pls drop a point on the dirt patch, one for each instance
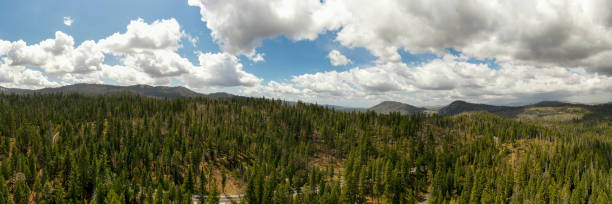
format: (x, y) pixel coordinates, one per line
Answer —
(325, 159)
(233, 186)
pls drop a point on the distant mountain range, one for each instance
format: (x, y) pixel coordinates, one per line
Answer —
(101, 89)
(545, 109)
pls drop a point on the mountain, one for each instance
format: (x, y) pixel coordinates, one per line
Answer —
(345, 108)
(457, 107)
(545, 110)
(556, 104)
(393, 106)
(101, 89)
(14, 91)
(542, 111)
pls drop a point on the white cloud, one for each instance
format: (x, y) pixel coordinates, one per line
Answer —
(20, 77)
(286, 91)
(123, 75)
(150, 48)
(336, 58)
(159, 64)
(259, 57)
(147, 54)
(219, 70)
(141, 36)
(34, 79)
(539, 33)
(87, 57)
(4, 47)
(56, 56)
(192, 39)
(240, 26)
(19, 54)
(68, 21)
(442, 81)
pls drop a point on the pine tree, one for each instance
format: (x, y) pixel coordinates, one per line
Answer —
(189, 183)
(350, 190)
(48, 194)
(166, 198)
(364, 187)
(602, 197)
(203, 184)
(223, 180)
(89, 145)
(101, 192)
(159, 194)
(476, 190)
(112, 198)
(213, 196)
(4, 193)
(21, 191)
(578, 194)
(282, 194)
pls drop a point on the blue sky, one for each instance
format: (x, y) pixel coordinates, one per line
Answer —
(404, 52)
(39, 19)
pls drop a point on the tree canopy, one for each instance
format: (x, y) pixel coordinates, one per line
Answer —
(133, 149)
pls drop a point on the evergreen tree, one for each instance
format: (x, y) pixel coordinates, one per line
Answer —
(223, 180)
(189, 183)
(21, 191)
(88, 145)
(4, 193)
(213, 196)
(112, 198)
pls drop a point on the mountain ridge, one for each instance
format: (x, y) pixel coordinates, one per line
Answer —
(385, 107)
(394, 106)
(460, 106)
(543, 110)
(104, 89)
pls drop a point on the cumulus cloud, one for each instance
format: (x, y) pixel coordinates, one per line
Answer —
(539, 33)
(442, 81)
(279, 90)
(125, 75)
(141, 36)
(55, 56)
(240, 26)
(219, 70)
(4, 47)
(159, 63)
(336, 58)
(68, 21)
(20, 77)
(147, 54)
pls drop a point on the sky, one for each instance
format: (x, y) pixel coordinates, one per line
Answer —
(353, 53)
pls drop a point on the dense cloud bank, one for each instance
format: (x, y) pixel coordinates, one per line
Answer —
(544, 50)
(539, 33)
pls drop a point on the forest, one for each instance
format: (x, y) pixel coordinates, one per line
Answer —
(70, 148)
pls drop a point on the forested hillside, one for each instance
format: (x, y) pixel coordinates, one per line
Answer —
(133, 149)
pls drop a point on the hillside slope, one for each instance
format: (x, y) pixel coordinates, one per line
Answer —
(72, 148)
(102, 89)
(393, 106)
(457, 107)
